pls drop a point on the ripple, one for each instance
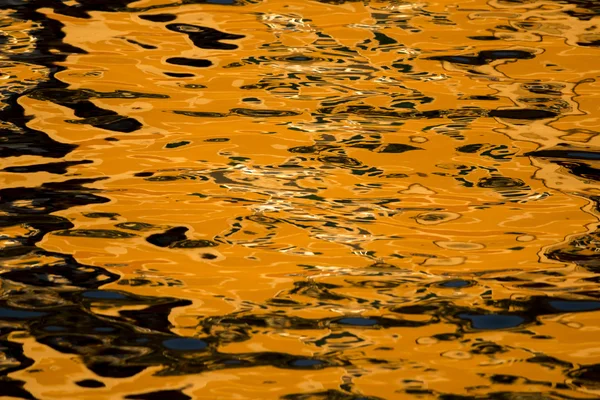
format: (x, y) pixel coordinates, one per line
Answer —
(328, 199)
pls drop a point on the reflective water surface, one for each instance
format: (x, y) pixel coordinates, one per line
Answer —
(303, 199)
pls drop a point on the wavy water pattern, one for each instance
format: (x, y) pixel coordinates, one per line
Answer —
(316, 199)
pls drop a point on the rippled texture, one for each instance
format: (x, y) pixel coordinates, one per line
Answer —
(261, 199)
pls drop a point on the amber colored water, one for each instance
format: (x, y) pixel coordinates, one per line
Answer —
(300, 199)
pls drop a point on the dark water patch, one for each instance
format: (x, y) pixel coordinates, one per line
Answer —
(493, 151)
(513, 314)
(593, 43)
(110, 122)
(18, 142)
(83, 7)
(103, 295)
(116, 338)
(17, 138)
(96, 233)
(550, 362)
(357, 321)
(447, 337)
(38, 224)
(90, 383)
(189, 62)
(455, 284)
(156, 315)
(288, 361)
(14, 388)
(16, 251)
(160, 395)
(493, 321)
(91, 114)
(295, 323)
(206, 38)
(480, 97)
(14, 352)
(107, 369)
(49, 198)
(536, 285)
(383, 39)
(11, 313)
(581, 170)
(536, 306)
(104, 329)
(306, 363)
(299, 58)
(587, 376)
(455, 114)
(174, 145)
(584, 10)
(375, 322)
(484, 38)
(278, 302)
(185, 344)
(508, 279)
(503, 379)
(218, 361)
(158, 17)
(418, 309)
(567, 153)
(500, 182)
(143, 174)
(524, 114)
(179, 74)
(398, 148)
(486, 57)
(53, 328)
(581, 250)
(470, 148)
(574, 306)
(340, 161)
(169, 237)
(292, 59)
(66, 272)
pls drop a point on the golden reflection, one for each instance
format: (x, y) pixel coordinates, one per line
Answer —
(299, 200)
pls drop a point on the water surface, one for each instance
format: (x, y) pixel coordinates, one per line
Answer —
(304, 199)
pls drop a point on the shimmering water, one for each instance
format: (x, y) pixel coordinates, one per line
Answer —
(267, 199)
